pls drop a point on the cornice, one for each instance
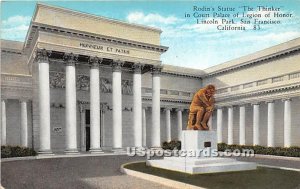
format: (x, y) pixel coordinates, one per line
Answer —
(11, 51)
(264, 59)
(163, 72)
(269, 94)
(95, 37)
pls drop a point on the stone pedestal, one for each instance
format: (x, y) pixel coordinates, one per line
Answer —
(199, 141)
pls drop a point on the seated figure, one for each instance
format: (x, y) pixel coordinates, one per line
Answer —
(201, 108)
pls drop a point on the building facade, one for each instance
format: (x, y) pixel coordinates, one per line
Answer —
(81, 82)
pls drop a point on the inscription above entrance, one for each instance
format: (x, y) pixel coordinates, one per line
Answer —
(104, 48)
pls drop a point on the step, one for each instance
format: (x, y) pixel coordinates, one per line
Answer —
(199, 161)
(202, 168)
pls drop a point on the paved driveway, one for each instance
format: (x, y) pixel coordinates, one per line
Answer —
(91, 172)
(77, 172)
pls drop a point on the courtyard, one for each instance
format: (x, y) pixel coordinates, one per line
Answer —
(102, 171)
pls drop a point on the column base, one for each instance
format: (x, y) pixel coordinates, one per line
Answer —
(45, 153)
(71, 151)
(119, 151)
(155, 148)
(96, 151)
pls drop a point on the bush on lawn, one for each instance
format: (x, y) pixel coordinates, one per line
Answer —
(172, 145)
(16, 151)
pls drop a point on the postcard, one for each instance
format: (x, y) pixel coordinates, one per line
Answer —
(150, 94)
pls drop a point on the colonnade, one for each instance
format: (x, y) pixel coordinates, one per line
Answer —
(256, 123)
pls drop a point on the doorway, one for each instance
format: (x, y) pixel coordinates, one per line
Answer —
(87, 130)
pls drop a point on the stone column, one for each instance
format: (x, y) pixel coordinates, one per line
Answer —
(168, 124)
(210, 122)
(3, 122)
(44, 102)
(287, 123)
(230, 125)
(219, 124)
(179, 123)
(256, 124)
(24, 123)
(117, 105)
(242, 125)
(102, 123)
(155, 130)
(271, 124)
(144, 127)
(137, 105)
(71, 134)
(95, 105)
(82, 126)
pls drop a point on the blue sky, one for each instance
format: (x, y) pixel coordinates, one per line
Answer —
(190, 44)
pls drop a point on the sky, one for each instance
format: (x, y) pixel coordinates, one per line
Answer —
(190, 44)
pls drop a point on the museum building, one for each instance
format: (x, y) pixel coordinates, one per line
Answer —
(81, 82)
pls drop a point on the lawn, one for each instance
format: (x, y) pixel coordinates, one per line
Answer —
(262, 178)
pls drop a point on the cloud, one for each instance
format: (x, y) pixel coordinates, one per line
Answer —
(151, 19)
(15, 27)
(202, 45)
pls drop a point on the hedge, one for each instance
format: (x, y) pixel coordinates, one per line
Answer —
(276, 151)
(16, 151)
(174, 144)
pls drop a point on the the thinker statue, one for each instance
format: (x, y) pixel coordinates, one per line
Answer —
(201, 108)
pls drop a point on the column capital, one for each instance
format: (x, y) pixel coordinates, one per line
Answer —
(219, 107)
(156, 70)
(242, 105)
(255, 103)
(167, 108)
(117, 65)
(42, 55)
(70, 59)
(145, 107)
(269, 101)
(4, 100)
(286, 99)
(23, 100)
(95, 61)
(104, 107)
(137, 68)
(179, 109)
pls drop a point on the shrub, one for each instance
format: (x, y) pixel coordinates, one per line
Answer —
(277, 151)
(173, 144)
(16, 151)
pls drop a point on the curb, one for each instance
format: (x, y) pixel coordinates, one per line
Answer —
(157, 179)
(278, 167)
(277, 157)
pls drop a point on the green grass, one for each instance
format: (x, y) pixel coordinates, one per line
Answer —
(262, 178)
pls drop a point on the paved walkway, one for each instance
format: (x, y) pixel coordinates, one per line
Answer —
(92, 172)
(75, 173)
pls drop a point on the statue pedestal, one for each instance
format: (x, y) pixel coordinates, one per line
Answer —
(199, 140)
(200, 148)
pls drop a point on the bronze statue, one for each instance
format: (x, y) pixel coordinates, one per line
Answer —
(201, 108)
